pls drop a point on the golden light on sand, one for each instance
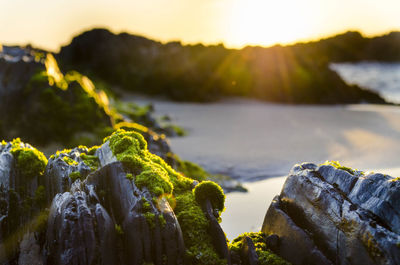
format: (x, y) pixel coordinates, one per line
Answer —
(265, 22)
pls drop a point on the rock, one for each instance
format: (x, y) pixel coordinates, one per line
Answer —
(61, 107)
(252, 248)
(80, 231)
(219, 238)
(125, 201)
(30, 252)
(328, 215)
(88, 207)
(249, 255)
(21, 200)
(188, 72)
(272, 242)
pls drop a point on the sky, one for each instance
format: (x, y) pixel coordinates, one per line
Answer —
(49, 24)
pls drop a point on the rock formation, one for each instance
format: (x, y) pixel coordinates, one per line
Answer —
(42, 105)
(298, 73)
(330, 214)
(104, 205)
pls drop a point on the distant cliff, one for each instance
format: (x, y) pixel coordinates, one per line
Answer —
(292, 74)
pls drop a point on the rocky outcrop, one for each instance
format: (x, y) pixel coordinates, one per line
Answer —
(62, 108)
(291, 74)
(104, 205)
(330, 214)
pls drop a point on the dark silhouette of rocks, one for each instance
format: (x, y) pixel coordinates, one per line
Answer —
(292, 74)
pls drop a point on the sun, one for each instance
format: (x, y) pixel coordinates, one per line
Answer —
(266, 22)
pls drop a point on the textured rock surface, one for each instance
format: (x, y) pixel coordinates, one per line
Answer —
(100, 218)
(327, 215)
(85, 208)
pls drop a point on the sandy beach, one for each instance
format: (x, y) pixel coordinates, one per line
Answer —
(254, 140)
(259, 142)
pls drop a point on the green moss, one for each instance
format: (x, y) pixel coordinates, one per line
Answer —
(118, 230)
(66, 108)
(145, 205)
(160, 179)
(75, 175)
(69, 161)
(130, 176)
(265, 256)
(162, 220)
(150, 219)
(179, 131)
(29, 160)
(92, 150)
(40, 222)
(40, 196)
(212, 191)
(191, 170)
(194, 226)
(337, 165)
(131, 149)
(91, 161)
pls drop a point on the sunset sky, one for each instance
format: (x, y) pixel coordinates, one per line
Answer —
(51, 23)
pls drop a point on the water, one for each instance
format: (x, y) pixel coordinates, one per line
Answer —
(245, 211)
(253, 140)
(383, 78)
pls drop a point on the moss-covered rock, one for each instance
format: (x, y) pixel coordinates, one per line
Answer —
(152, 173)
(211, 191)
(30, 161)
(265, 255)
(336, 164)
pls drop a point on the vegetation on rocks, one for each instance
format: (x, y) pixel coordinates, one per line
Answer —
(29, 160)
(265, 255)
(298, 73)
(160, 179)
(337, 165)
(64, 108)
(210, 190)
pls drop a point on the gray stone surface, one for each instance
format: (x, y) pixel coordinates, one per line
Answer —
(328, 215)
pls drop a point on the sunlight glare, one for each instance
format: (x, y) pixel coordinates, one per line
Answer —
(266, 22)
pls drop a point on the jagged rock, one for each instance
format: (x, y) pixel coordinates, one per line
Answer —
(219, 238)
(335, 215)
(146, 239)
(248, 253)
(89, 206)
(63, 107)
(21, 199)
(80, 231)
(59, 168)
(272, 242)
(252, 248)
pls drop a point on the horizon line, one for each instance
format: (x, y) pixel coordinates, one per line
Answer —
(207, 44)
